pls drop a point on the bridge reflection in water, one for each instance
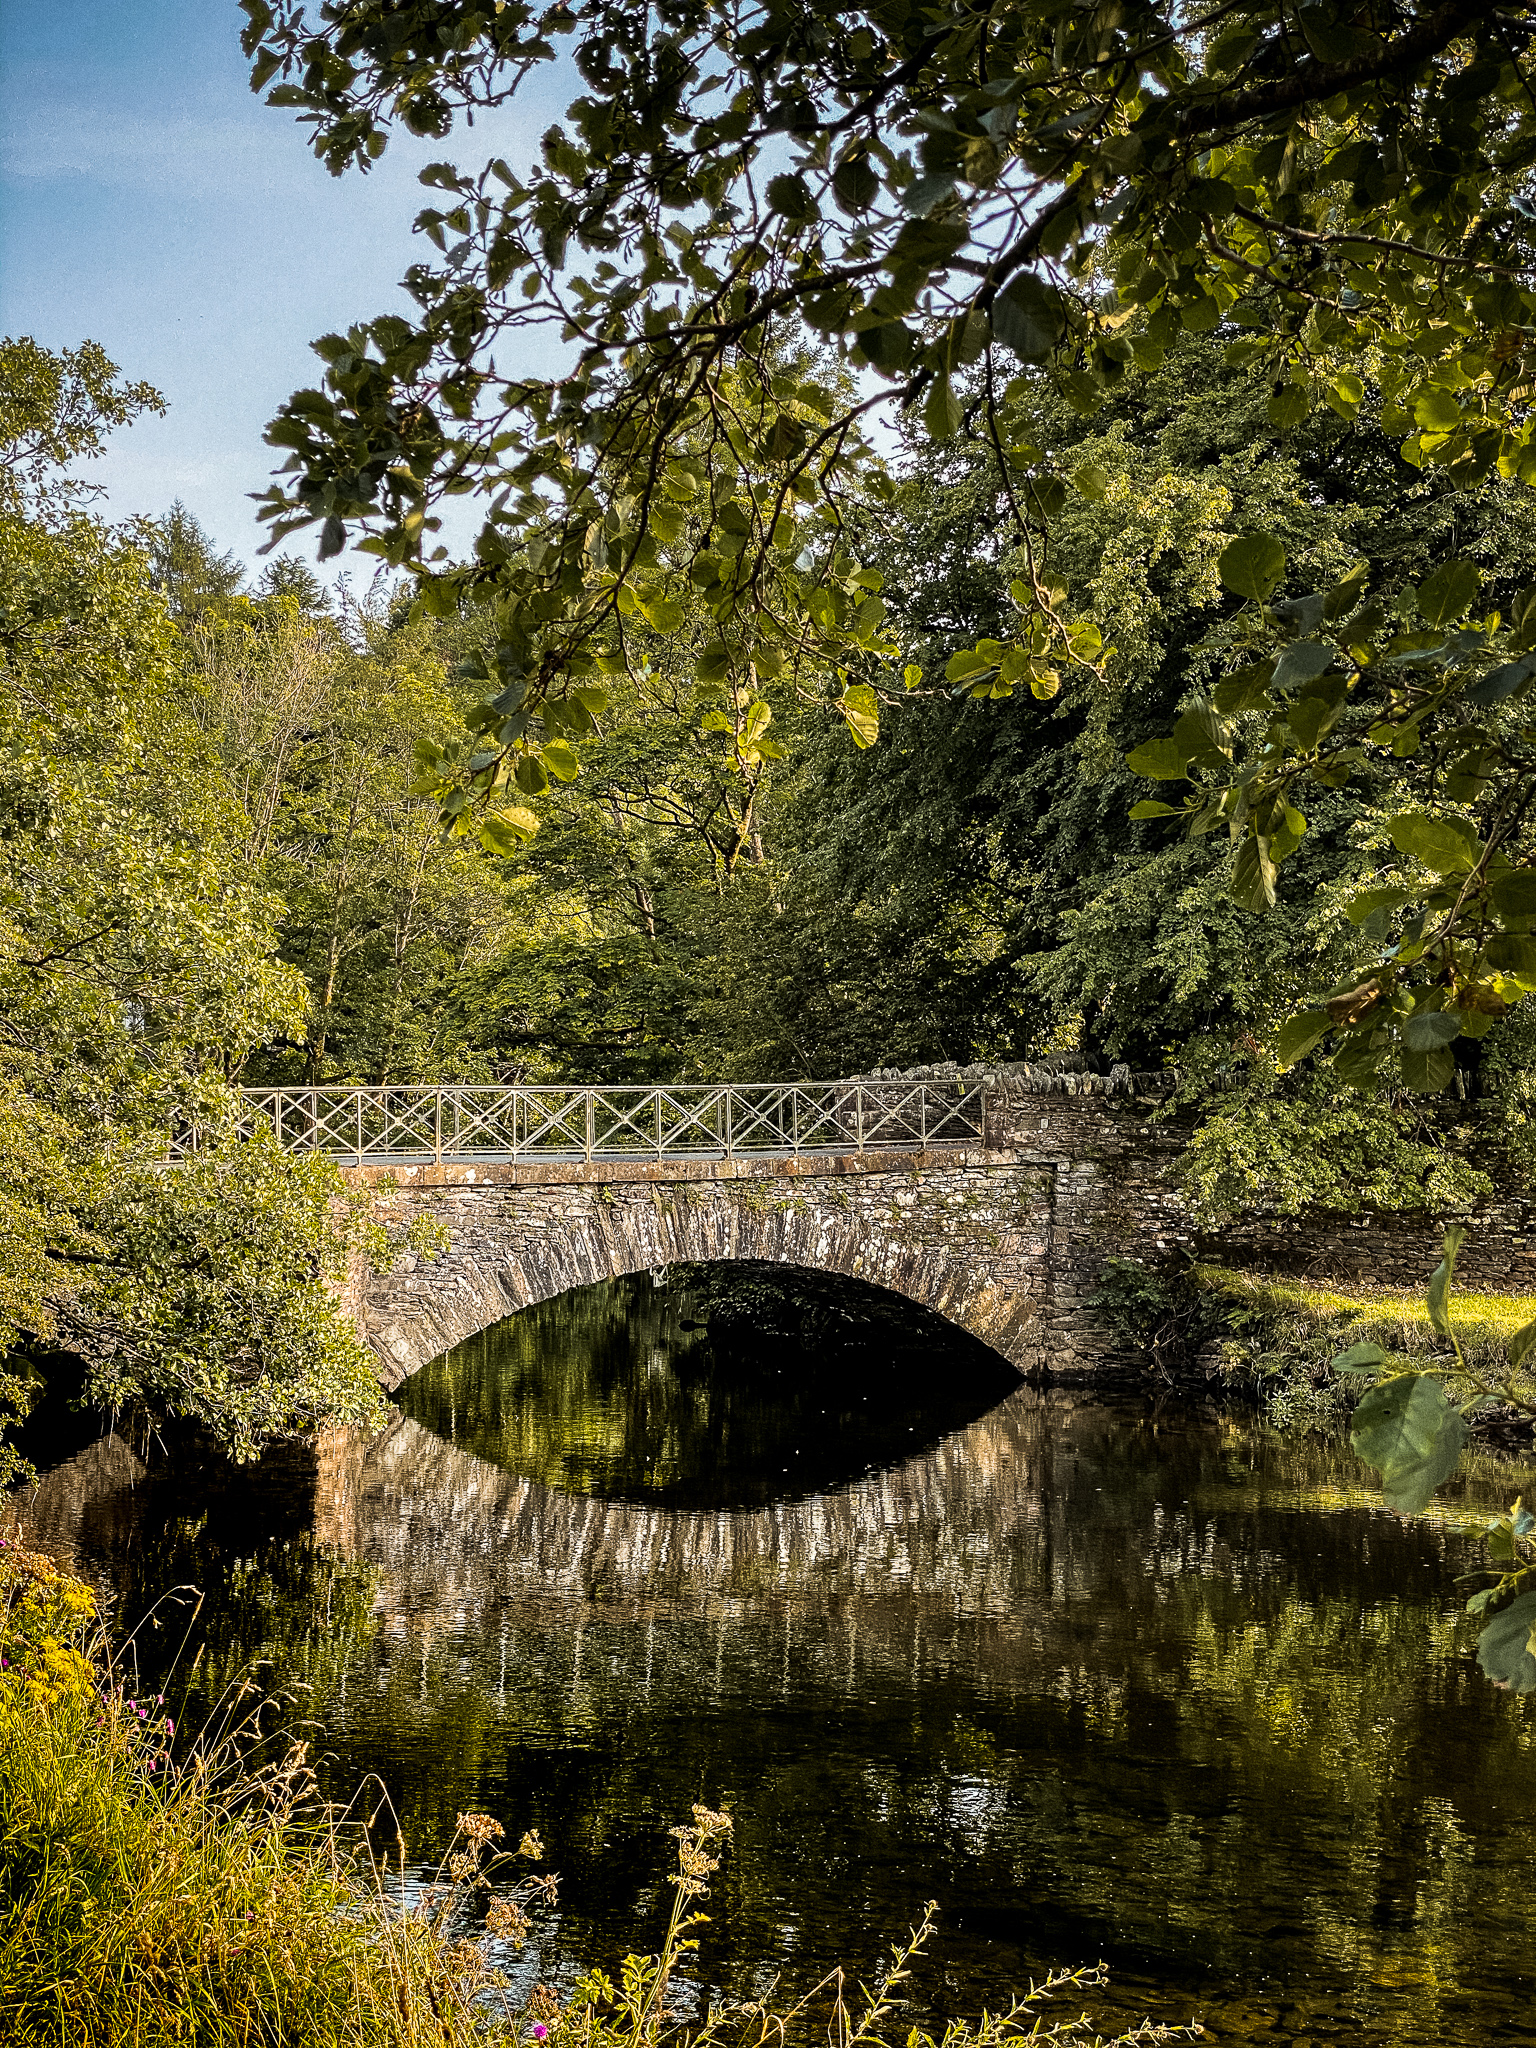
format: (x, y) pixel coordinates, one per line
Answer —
(1167, 1689)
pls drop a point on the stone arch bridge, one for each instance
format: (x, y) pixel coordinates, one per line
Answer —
(992, 1195)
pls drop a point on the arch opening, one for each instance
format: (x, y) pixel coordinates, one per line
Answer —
(709, 1386)
(974, 1245)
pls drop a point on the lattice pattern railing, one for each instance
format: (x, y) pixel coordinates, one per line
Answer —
(698, 1121)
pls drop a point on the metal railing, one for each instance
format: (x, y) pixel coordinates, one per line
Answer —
(463, 1124)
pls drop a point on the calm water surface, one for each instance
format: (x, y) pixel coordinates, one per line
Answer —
(1158, 1687)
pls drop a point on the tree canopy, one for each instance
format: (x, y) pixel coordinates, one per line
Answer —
(138, 966)
(756, 229)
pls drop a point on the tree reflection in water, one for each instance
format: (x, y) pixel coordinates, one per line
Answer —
(1166, 1688)
(723, 1387)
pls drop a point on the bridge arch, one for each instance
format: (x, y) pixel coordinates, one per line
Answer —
(968, 1241)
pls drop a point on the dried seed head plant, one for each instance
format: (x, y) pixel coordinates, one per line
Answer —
(635, 2013)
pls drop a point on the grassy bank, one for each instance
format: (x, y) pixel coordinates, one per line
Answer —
(1282, 1333)
(156, 1892)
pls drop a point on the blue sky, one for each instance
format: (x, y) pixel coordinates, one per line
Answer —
(150, 202)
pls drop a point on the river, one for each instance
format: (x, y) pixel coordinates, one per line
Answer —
(1106, 1678)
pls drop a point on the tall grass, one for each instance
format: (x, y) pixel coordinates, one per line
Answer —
(155, 1891)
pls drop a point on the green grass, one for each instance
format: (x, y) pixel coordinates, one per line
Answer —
(1284, 1332)
(1393, 1317)
(152, 1897)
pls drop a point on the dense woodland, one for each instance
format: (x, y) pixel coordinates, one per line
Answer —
(218, 867)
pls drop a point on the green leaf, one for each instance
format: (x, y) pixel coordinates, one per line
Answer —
(1499, 683)
(1447, 594)
(1246, 689)
(559, 759)
(1198, 734)
(1369, 901)
(663, 614)
(1358, 1358)
(1159, 760)
(1299, 1035)
(1357, 1063)
(1407, 1429)
(1436, 409)
(942, 411)
(856, 183)
(531, 776)
(1427, 1029)
(1289, 406)
(1028, 317)
(1504, 1647)
(1509, 953)
(1091, 480)
(1300, 662)
(508, 830)
(1499, 1540)
(788, 194)
(1428, 1073)
(1253, 876)
(1148, 808)
(1448, 845)
(1306, 717)
(1514, 896)
(861, 708)
(1345, 395)
(888, 347)
(1437, 1293)
(1345, 595)
(967, 661)
(1252, 566)
(714, 663)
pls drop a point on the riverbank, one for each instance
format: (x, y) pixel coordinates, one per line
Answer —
(1278, 1337)
(157, 1891)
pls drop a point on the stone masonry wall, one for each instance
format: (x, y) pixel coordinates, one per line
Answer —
(969, 1239)
(1009, 1240)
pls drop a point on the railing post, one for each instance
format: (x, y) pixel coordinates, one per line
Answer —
(360, 1126)
(922, 1118)
(591, 1123)
(725, 1120)
(858, 1115)
(437, 1127)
